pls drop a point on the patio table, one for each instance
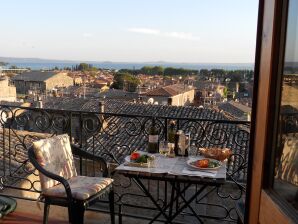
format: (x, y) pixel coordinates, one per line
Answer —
(174, 171)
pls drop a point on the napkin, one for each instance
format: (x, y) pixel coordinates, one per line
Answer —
(193, 172)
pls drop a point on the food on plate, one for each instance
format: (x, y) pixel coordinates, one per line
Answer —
(203, 163)
(137, 157)
(216, 153)
(206, 163)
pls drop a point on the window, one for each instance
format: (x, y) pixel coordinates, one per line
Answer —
(284, 181)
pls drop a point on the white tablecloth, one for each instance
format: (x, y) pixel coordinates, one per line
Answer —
(176, 166)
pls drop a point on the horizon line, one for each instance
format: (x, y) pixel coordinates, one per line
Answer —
(111, 61)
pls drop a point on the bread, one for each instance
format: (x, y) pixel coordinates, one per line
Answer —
(216, 153)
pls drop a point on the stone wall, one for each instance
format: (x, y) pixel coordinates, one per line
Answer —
(59, 80)
(23, 87)
(183, 99)
(7, 92)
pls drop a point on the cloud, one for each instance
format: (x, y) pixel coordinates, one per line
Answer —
(144, 31)
(177, 35)
(87, 35)
(182, 35)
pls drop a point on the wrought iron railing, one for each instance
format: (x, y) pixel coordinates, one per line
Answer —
(114, 136)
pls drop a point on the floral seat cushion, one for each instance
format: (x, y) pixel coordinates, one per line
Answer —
(54, 155)
(82, 187)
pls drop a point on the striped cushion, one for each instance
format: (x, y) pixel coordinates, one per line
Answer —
(82, 187)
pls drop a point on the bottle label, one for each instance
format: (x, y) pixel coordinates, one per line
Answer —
(153, 138)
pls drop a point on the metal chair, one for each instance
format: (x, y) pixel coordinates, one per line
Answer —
(67, 192)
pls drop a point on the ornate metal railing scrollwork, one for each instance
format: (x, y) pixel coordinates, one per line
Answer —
(114, 136)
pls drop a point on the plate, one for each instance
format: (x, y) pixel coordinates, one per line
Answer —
(191, 163)
(128, 162)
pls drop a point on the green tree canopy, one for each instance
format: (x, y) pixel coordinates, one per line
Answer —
(85, 67)
(204, 72)
(152, 70)
(3, 63)
(169, 71)
(125, 81)
(13, 67)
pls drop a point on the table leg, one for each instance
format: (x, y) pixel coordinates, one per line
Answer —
(188, 202)
(172, 201)
(144, 189)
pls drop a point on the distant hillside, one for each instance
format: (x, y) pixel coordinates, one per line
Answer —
(12, 60)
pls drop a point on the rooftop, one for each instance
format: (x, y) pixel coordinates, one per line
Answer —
(168, 91)
(118, 94)
(125, 107)
(36, 76)
(235, 110)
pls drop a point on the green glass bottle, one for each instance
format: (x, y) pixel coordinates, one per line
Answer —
(153, 138)
(171, 132)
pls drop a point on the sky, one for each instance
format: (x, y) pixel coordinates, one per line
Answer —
(193, 31)
(291, 54)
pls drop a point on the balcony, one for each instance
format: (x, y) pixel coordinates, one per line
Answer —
(114, 132)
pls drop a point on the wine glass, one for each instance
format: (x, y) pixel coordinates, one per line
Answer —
(163, 148)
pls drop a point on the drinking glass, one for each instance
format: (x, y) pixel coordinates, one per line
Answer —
(163, 148)
(193, 151)
(171, 152)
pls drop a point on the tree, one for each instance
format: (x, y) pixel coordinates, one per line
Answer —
(225, 92)
(159, 70)
(83, 67)
(3, 63)
(204, 72)
(218, 72)
(13, 67)
(125, 81)
(150, 70)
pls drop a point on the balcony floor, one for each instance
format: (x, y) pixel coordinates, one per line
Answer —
(27, 212)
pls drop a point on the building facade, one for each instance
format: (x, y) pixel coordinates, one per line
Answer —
(8, 91)
(40, 81)
(174, 95)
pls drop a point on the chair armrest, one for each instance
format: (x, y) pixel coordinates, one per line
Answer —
(76, 150)
(63, 181)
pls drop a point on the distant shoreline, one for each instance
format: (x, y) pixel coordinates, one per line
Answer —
(117, 66)
(40, 63)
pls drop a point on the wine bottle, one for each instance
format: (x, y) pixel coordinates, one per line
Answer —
(153, 138)
(171, 132)
(176, 147)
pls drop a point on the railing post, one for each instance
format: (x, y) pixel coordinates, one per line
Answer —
(101, 105)
(166, 129)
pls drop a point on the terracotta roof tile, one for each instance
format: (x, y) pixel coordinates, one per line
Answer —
(168, 91)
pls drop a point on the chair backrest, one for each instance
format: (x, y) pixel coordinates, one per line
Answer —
(54, 155)
(288, 168)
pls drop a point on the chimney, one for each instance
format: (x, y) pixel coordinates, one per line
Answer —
(101, 105)
(237, 87)
(170, 101)
(39, 102)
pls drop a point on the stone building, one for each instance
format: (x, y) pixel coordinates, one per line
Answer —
(7, 91)
(174, 95)
(41, 81)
